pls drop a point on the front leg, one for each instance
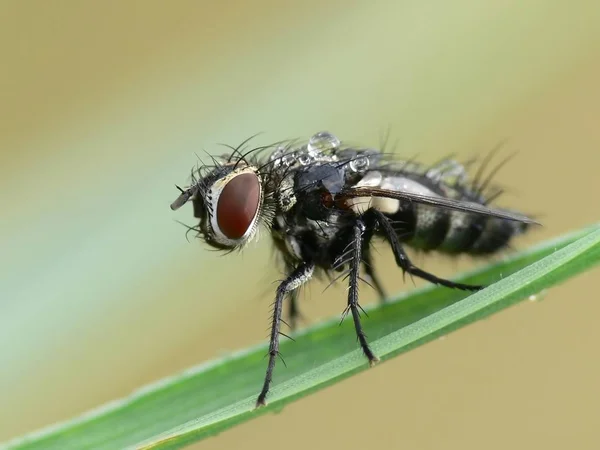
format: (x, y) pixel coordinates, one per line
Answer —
(293, 311)
(293, 314)
(295, 279)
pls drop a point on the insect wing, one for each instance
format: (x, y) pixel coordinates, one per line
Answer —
(439, 202)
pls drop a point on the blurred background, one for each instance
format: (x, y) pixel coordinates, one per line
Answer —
(103, 105)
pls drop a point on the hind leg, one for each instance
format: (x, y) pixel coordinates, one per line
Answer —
(405, 263)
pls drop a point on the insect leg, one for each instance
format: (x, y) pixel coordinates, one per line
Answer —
(370, 221)
(372, 274)
(406, 265)
(293, 311)
(295, 279)
(353, 306)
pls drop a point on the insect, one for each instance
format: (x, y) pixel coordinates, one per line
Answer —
(323, 203)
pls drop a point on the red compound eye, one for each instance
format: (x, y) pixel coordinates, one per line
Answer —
(238, 204)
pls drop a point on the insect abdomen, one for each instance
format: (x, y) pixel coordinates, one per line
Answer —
(496, 235)
(455, 232)
(465, 230)
(430, 228)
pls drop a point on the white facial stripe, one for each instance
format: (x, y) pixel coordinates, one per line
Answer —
(215, 192)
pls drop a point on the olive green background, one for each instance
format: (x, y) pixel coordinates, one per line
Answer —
(102, 106)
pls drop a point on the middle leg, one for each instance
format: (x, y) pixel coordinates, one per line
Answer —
(353, 275)
(370, 222)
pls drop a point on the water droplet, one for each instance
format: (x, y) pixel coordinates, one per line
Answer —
(321, 142)
(359, 164)
(288, 160)
(304, 159)
(282, 156)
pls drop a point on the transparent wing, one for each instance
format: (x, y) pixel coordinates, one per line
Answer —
(439, 202)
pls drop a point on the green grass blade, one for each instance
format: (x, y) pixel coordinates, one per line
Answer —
(213, 397)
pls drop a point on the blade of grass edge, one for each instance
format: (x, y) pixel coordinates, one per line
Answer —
(212, 423)
(544, 273)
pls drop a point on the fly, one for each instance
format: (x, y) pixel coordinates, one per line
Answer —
(324, 202)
